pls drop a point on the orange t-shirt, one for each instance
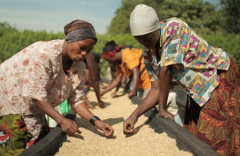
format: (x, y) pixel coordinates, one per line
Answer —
(131, 58)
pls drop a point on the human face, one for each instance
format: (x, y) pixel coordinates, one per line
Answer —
(78, 50)
(149, 40)
(112, 59)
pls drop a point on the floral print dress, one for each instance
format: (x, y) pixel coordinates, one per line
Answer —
(36, 73)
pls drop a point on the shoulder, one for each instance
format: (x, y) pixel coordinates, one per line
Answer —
(170, 21)
(131, 52)
(172, 24)
(51, 49)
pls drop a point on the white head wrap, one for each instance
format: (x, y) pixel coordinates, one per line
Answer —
(143, 20)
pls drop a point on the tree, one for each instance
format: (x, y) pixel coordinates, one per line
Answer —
(231, 16)
(201, 16)
(120, 23)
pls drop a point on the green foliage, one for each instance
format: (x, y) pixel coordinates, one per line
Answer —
(13, 40)
(229, 43)
(218, 28)
(231, 16)
(120, 23)
(198, 14)
(124, 40)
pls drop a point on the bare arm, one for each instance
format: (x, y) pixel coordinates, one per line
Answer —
(165, 79)
(118, 86)
(94, 81)
(135, 82)
(85, 113)
(127, 85)
(68, 126)
(150, 100)
(112, 85)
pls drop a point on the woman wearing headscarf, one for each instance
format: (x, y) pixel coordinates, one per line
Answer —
(39, 78)
(206, 73)
(128, 62)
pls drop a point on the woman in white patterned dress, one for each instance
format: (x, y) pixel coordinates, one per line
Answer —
(39, 78)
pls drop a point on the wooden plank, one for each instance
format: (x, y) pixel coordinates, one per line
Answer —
(185, 140)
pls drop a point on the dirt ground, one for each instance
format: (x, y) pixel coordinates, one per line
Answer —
(92, 142)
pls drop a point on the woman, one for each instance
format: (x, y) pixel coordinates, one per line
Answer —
(129, 62)
(208, 75)
(39, 78)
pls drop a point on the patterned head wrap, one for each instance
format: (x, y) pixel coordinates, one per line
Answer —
(110, 50)
(79, 30)
(143, 20)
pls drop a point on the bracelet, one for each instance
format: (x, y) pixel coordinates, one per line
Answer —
(93, 120)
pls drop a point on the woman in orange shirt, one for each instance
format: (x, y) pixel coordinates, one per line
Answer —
(129, 62)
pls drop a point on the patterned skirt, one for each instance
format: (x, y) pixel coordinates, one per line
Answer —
(218, 122)
(14, 136)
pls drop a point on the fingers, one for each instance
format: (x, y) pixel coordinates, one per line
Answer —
(130, 95)
(128, 127)
(78, 131)
(171, 117)
(108, 131)
(114, 94)
(166, 115)
(70, 132)
(71, 129)
(76, 128)
(101, 104)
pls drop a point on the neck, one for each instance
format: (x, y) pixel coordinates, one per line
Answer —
(65, 52)
(118, 56)
(66, 61)
(157, 46)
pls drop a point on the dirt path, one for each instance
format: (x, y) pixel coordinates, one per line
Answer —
(92, 142)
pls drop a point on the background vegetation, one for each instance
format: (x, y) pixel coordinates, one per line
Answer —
(218, 25)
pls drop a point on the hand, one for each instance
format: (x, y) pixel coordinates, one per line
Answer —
(105, 127)
(69, 127)
(131, 93)
(123, 85)
(128, 125)
(165, 114)
(103, 86)
(126, 88)
(114, 94)
(102, 93)
(101, 104)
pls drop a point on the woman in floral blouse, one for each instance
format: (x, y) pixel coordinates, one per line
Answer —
(207, 74)
(39, 78)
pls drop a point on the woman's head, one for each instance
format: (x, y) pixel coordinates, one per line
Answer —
(80, 38)
(109, 51)
(144, 24)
